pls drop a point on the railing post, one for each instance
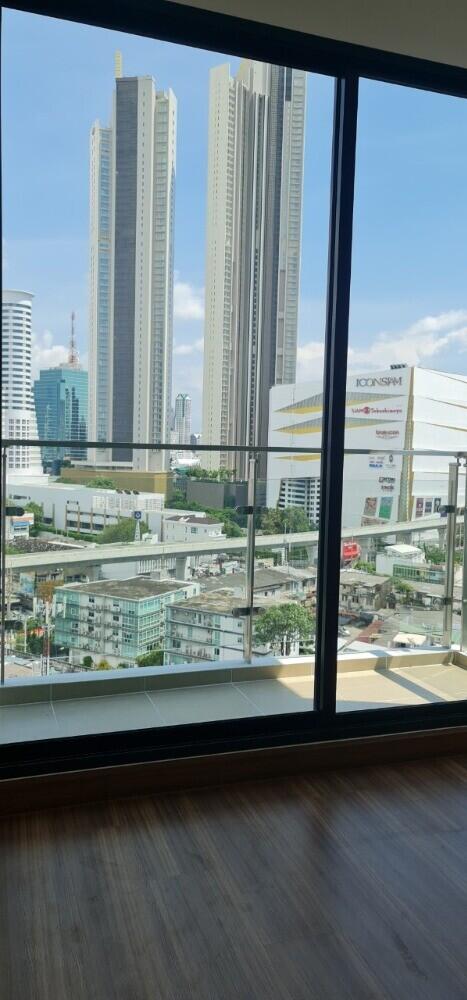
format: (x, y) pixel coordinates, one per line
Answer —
(450, 551)
(464, 573)
(250, 557)
(3, 565)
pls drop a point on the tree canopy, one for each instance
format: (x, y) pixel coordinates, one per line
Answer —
(155, 658)
(274, 521)
(123, 531)
(101, 483)
(219, 475)
(279, 627)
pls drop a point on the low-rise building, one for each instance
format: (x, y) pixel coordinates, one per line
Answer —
(214, 493)
(69, 507)
(363, 590)
(397, 559)
(116, 620)
(267, 582)
(196, 527)
(18, 526)
(211, 627)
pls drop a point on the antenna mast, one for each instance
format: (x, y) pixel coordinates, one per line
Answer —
(73, 356)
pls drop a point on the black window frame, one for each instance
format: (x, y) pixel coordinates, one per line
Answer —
(346, 63)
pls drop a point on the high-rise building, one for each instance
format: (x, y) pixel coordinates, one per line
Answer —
(182, 420)
(254, 209)
(132, 198)
(18, 410)
(61, 398)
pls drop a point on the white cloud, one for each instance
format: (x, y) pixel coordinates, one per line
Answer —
(46, 354)
(419, 343)
(183, 350)
(188, 301)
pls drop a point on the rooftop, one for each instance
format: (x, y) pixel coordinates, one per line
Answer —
(194, 519)
(401, 549)
(353, 577)
(225, 601)
(263, 578)
(133, 589)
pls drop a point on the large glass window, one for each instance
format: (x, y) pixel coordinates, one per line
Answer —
(173, 318)
(175, 242)
(400, 585)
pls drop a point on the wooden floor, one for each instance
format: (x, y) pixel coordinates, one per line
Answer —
(350, 884)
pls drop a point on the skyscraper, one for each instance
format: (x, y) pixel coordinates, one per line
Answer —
(182, 421)
(254, 208)
(18, 410)
(61, 398)
(132, 196)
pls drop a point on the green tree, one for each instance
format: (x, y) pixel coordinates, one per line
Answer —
(231, 529)
(366, 566)
(123, 531)
(275, 521)
(87, 662)
(220, 475)
(155, 658)
(434, 554)
(279, 627)
(101, 483)
(103, 665)
(403, 588)
(38, 511)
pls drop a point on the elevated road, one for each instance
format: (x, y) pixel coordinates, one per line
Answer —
(98, 555)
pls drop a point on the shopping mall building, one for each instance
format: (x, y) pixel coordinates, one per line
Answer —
(389, 412)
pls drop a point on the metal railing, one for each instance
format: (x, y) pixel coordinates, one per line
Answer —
(450, 520)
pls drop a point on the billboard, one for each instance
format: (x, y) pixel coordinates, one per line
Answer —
(376, 415)
(385, 508)
(370, 507)
(27, 582)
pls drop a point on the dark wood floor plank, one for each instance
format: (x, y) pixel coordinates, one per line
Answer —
(346, 885)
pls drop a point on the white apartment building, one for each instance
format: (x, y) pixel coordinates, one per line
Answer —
(402, 408)
(253, 240)
(18, 409)
(182, 419)
(132, 202)
(191, 528)
(208, 627)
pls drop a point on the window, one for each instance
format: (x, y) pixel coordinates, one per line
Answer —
(246, 280)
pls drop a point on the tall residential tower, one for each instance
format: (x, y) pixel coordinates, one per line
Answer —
(254, 209)
(18, 410)
(182, 419)
(132, 196)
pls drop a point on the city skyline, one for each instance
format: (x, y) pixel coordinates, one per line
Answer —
(408, 299)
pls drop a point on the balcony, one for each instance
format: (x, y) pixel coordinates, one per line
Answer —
(145, 698)
(267, 565)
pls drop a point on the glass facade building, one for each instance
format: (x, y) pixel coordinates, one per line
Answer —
(61, 398)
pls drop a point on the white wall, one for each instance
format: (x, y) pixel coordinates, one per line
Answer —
(426, 29)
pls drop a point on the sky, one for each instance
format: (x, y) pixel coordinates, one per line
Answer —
(409, 266)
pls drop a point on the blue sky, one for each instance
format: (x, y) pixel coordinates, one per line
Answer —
(409, 282)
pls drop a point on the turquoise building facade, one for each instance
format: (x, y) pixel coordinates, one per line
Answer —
(61, 399)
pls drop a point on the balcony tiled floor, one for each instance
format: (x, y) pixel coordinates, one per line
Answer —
(356, 690)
